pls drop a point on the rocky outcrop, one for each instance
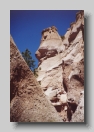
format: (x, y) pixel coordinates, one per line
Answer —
(61, 67)
(49, 35)
(28, 103)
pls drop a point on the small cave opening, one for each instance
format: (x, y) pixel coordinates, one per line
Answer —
(45, 37)
(73, 106)
(58, 108)
(71, 109)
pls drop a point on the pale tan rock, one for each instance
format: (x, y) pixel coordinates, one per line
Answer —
(62, 65)
(49, 35)
(63, 98)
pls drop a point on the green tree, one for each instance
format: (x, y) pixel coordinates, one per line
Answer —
(28, 58)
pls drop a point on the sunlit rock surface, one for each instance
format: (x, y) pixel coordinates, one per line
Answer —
(61, 67)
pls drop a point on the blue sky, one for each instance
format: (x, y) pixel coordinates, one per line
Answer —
(26, 26)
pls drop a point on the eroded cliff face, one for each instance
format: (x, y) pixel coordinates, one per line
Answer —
(61, 68)
(28, 103)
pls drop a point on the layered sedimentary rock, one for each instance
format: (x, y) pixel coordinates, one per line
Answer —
(28, 103)
(61, 67)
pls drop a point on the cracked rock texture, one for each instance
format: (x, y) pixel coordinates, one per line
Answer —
(61, 68)
(28, 103)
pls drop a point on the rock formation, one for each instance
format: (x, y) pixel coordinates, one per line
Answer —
(61, 68)
(79, 113)
(28, 103)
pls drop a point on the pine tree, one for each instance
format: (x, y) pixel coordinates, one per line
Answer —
(28, 58)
